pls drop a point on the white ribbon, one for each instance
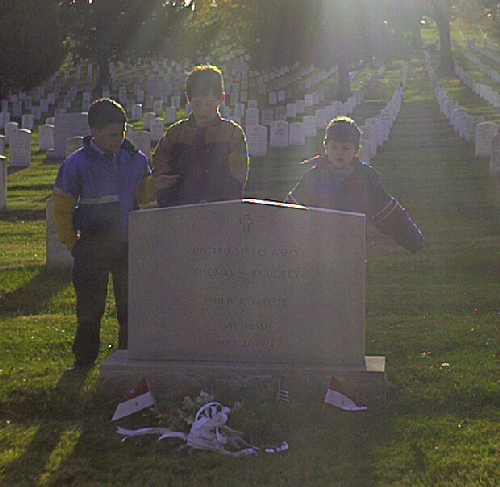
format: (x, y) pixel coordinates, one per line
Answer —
(208, 432)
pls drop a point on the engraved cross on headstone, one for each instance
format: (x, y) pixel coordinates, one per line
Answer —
(247, 222)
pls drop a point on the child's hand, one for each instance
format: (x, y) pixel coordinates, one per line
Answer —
(165, 181)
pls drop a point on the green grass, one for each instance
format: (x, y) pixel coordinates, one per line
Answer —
(434, 315)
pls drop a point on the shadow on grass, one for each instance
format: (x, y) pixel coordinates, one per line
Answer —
(30, 215)
(50, 414)
(327, 446)
(33, 298)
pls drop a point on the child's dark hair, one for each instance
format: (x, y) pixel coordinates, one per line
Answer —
(105, 111)
(343, 129)
(204, 80)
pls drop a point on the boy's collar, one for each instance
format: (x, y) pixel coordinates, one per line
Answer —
(96, 148)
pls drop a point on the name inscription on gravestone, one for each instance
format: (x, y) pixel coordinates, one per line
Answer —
(266, 305)
(234, 282)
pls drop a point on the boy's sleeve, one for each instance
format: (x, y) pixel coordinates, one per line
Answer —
(391, 218)
(145, 192)
(238, 159)
(394, 220)
(65, 199)
(64, 211)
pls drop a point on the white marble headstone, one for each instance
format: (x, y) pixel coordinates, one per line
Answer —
(297, 135)
(20, 148)
(46, 137)
(247, 283)
(257, 140)
(485, 132)
(3, 182)
(278, 137)
(68, 125)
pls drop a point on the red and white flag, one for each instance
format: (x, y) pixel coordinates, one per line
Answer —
(336, 397)
(139, 398)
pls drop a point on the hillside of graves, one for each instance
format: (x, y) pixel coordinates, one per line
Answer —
(434, 314)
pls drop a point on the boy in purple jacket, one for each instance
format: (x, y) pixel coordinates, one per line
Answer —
(95, 190)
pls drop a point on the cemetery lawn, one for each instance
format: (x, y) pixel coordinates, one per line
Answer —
(434, 315)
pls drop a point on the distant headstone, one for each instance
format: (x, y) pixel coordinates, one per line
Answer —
(68, 125)
(485, 132)
(27, 121)
(46, 137)
(3, 182)
(347, 107)
(297, 135)
(239, 110)
(256, 139)
(73, 144)
(158, 107)
(10, 128)
(471, 123)
(310, 126)
(291, 110)
(4, 119)
(495, 156)
(137, 111)
(157, 129)
(458, 120)
(278, 136)
(280, 113)
(300, 106)
(251, 117)
(171, 115)
(320, 119)
(141, 139)
(20, 148)
(148, 118)
(267, 116)
(176, 102)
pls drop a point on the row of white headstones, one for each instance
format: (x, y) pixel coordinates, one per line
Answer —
(471, 128)
(154, 125)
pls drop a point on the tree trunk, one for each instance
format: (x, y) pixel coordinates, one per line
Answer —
(442, 14)
(344, 90)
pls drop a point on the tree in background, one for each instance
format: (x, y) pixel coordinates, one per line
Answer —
(32, 43)
(106, 30)
(442, 16)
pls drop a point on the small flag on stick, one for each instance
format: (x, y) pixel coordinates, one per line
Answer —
(139, 398)
(336, 397)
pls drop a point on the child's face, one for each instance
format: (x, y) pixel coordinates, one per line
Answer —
(340, 154)
(205, 108)
(110, 137)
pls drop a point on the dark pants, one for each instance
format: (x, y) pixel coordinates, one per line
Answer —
(94, 260)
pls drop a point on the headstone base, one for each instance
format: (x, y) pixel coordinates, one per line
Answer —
(174, 378)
